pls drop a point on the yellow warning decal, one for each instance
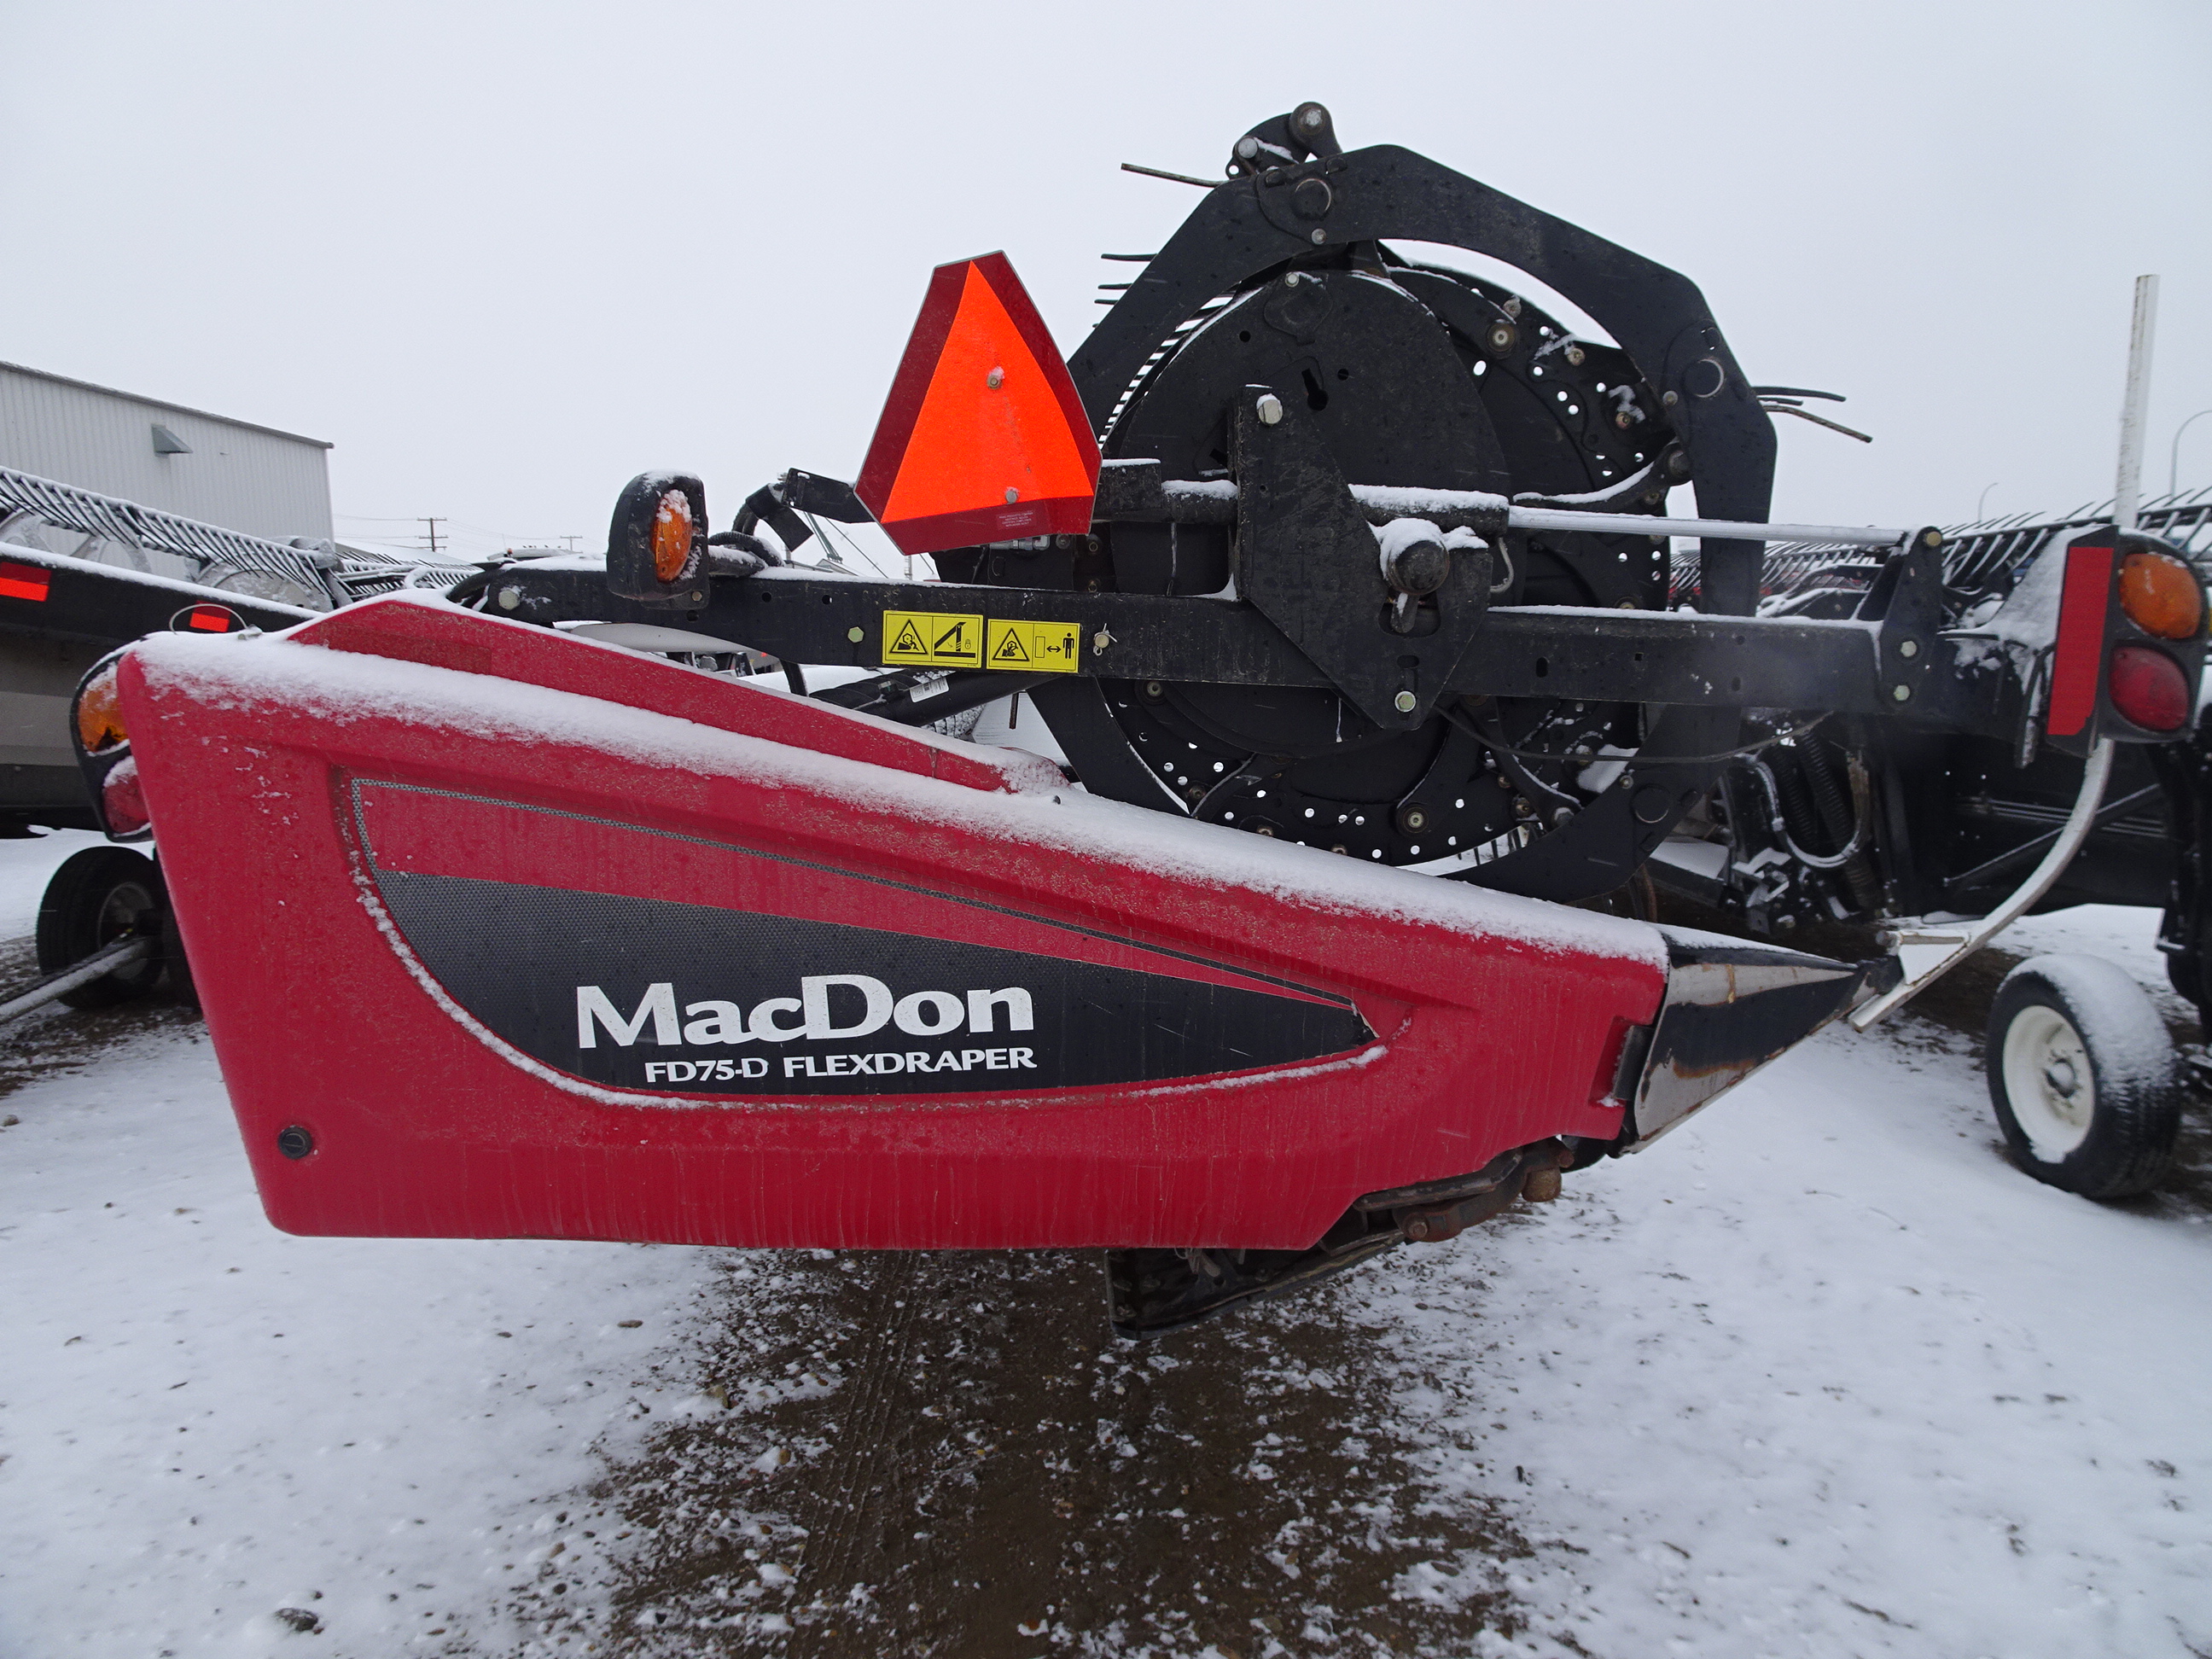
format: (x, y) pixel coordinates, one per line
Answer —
(1035, 648)
(928, 638)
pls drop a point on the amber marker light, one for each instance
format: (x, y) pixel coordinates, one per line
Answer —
(671, 535)
(99, 716)
(2161, 596)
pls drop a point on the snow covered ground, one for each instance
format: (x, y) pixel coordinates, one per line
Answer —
(1824, 1375)
(1819, 1374)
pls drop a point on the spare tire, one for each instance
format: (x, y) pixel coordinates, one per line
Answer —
(2082, 1074)
(99, 895)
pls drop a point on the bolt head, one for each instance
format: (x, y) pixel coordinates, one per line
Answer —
(1415, 819)
(1404, 703)
(1908, 647)
(1319, 236)
(1314, 117)
(1269, 409)
(1154, 688)
(1623, 420)
(509, 598)
(1417, 1228)
(854, 634)
(1574, 355)
(1931, 539)
(1013, 495)
(295, 1141)
(1900, 693)
(995, 378)
(1247, 147)
(1671, 398)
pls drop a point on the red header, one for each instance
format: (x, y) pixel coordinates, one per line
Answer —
(983, 437)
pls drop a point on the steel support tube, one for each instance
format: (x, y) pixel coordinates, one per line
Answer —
(1964, 941)
(1132, 495)
(1635, 524)
(99, 965)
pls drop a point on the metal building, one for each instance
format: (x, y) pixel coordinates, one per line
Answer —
(207, 467)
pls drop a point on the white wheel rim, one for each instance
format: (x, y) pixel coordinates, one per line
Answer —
(2048, 1082)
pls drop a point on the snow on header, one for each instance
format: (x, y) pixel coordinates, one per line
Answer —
(447, 704)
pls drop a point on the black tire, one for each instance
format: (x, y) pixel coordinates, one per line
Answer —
(96, 897)
(2083, 1074)
(182, 984)
(2184, 972)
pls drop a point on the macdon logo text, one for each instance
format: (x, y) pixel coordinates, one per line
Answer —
(865, 1006)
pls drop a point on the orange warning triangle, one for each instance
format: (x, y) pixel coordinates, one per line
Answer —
(983, 437)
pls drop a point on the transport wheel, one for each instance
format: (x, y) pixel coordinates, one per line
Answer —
(95, 898)
(2082, 1073)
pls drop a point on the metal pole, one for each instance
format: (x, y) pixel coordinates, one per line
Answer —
(2128, 487)
(1963, 942)
(99, 965)
(1635, 524)
(2173, 454)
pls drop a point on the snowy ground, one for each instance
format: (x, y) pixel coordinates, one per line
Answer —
(204, 1421)
(1834, 1378)
(1820, 1374)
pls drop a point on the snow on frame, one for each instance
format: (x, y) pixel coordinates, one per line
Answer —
(346, 685)
(197, 593)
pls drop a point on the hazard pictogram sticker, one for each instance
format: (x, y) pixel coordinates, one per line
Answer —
(983, 437)
(929, 639)
(1035, 648)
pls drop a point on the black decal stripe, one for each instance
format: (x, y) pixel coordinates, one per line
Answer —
(1334, 999)
(514, 955)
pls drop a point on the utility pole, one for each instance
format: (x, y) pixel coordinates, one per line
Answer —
(572, 541)
(434, 523)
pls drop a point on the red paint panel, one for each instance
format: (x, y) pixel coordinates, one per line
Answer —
(1485, 1039)
(2079, 661)
(24, 581)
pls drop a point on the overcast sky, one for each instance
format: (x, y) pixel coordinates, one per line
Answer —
(506, 256)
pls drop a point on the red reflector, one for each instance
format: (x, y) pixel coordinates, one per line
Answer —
(983, 437)
(210, 619)
(24, 581)
(2149, 687)
(2081, 638)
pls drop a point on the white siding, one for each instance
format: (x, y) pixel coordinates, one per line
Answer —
(242, 476)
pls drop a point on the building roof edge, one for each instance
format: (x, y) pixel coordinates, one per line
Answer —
(163, 403)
